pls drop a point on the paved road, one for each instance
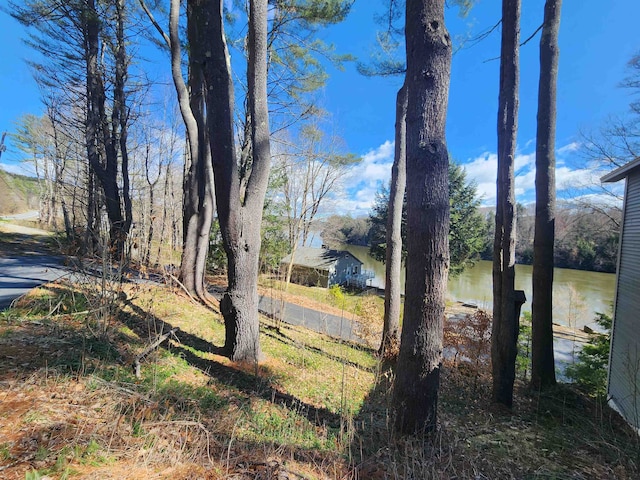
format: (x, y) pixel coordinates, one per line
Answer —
(30, 215)
(21, 273)
(22, 269)
(25, 260)
(322, 322)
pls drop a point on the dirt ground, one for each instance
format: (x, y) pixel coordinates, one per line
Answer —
(10, 227)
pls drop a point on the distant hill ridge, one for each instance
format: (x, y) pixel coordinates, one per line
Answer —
(18, 193)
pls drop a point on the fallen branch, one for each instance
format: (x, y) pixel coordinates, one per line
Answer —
(151, 348)
(181, 285)
(205, 300)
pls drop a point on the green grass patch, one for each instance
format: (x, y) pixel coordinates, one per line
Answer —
(338, 298)
(317, 405)
(5, 451)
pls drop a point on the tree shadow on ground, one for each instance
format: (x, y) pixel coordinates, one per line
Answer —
(277, 333)
(558, 434)
(139, 320)
(26, 244)
(44, 344)
(162, 432)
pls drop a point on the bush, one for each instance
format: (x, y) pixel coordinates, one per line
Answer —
(590, 370)
(336, 295)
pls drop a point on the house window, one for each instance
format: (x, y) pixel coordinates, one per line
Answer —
(355, 269)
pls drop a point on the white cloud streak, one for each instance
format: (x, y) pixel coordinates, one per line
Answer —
(483, 169)
(365, 178)
(26, 169)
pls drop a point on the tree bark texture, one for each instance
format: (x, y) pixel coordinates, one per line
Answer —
(94, 96)
(542, 361)
(393, 263)
(240, 216)
(105, 137)
(428, 46)
(122, 66)
(59, 169)
(505, 326)
(198, 202)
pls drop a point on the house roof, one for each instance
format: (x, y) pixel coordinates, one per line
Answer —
(622, 172)
(320, 258)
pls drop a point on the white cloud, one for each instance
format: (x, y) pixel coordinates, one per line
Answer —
(613, 199)
(26, 169)
(567, 178)
(364, 179)
(523, 161)
(525, 183)
(376, 164)
(569, 148)
(483, 169)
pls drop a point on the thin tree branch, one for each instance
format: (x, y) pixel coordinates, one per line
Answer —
(155, 23)
(532, 35)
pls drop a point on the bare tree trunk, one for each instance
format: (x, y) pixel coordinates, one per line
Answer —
(92, 125)
(60, 164)
(198, 204)
(295, 218)
(89, 245)
(121, 98)
(287, 278)
(49, 198)
(105, 137)
(505, 322)
(107, 174)
(295, 227)
(165, 213)
(542, 361)
(393, 264)
(176, 213)
(240, 217)
(41, 190)
(147, 251)
(427, 81)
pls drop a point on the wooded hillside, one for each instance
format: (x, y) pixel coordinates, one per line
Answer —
(19, 193)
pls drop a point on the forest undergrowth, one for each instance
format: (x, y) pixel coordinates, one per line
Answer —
(71, 405)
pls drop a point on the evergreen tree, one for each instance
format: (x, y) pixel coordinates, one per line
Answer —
(468, 227)
(590, 371)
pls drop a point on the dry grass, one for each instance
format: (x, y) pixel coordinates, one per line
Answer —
(317, 408)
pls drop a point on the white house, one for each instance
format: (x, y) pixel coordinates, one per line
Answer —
(624, 360)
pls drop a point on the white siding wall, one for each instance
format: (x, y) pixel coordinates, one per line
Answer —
(624, 370)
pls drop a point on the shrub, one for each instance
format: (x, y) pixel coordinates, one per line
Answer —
(336, 295)
(590, 370)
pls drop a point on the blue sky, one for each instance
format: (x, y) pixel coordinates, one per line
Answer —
(596, 40)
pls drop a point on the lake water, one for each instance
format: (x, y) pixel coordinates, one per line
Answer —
(577, 294)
